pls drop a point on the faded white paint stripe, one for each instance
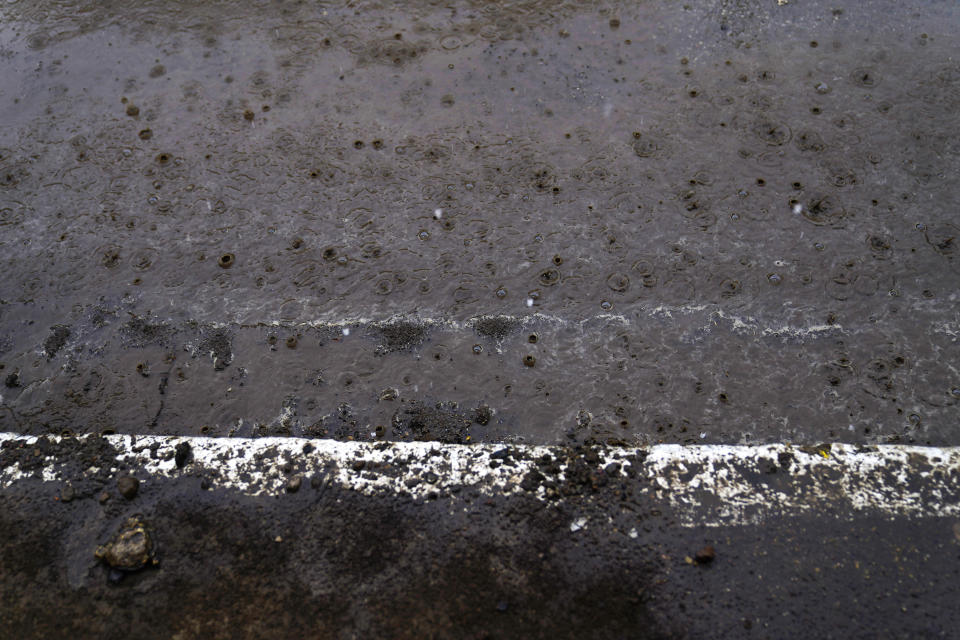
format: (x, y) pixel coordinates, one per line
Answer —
(703, 485)
(713, 314)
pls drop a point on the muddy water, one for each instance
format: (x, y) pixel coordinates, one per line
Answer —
(531, 221)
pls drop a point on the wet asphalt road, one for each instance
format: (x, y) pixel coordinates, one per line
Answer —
(720, 222)
(591, 542)
(587, 225)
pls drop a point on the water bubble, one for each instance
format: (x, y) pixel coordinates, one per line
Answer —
(773, 133)
(943, 238)
(774, 278)
(501, 292)
(108, 255)
(423, 234)
(606, 305)
(729, 288)
(618, 282)
(143, 259)
(824, 210)
(549, 277)
(865, 77)
(879, 247)
(383, 286)
(643, 267)
(477, 349)
(451, 42)
(810, 141)
(645, 147)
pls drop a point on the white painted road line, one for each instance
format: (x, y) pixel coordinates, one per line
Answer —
(712, 314)
(704, 485)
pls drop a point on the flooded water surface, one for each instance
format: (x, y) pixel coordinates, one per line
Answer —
(535, 221)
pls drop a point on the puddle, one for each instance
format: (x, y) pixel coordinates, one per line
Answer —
(731, 222)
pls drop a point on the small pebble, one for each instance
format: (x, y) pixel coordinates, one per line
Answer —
(293, 484)
(705, 555)
(128, 487)
(182, 455)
